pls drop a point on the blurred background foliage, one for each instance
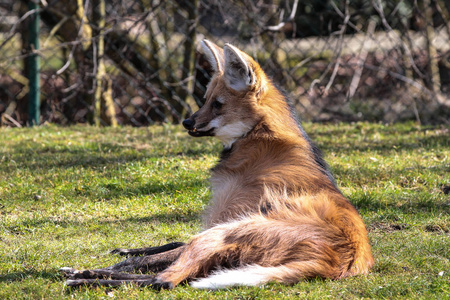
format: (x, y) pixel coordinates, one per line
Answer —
(137, 62)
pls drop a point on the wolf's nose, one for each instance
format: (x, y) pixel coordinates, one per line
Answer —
(188, 124)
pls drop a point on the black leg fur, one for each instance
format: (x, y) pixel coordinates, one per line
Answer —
(147, 251)
(152, 283)
(118, 274)
(149, 263)
(103, 274)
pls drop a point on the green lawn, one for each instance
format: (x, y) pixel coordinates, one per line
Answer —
(69, 195)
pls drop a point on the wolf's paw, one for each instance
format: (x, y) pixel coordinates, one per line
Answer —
(68, 272)
(161, 285)
(120, 251)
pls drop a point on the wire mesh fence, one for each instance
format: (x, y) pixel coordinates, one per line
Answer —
(137, 62)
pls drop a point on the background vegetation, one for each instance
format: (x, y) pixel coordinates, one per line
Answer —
(69, 195)
(138, 62)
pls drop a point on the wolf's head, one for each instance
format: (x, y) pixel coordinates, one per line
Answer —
(231, 109)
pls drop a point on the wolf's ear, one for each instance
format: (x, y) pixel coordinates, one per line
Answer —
(214, 54)
(239, 73)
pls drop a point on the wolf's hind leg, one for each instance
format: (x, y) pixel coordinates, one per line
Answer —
(144, 282)
(258, 250)
(148, 250)
(148, 263)
(118, 273)
(103, 274)
(207, 251)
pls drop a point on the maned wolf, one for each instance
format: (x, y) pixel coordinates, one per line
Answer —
(276, 213)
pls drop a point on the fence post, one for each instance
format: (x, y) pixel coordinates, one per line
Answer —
(33, 66)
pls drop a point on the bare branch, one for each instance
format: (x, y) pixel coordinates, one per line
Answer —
(281, 26)
(11, 119)
(72, 51)
(340, 44)
(361, 60)
(379, 8)
(12, 31)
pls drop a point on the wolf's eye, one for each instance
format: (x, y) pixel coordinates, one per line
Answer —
(217, 105)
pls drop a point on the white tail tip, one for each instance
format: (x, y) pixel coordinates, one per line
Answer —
(246, 276)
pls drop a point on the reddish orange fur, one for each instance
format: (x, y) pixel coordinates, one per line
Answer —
(272, 204)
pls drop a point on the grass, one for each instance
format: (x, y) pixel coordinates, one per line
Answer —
(69, 195)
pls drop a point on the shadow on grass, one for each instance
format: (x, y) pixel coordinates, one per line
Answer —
(95, 155)
(111, 191)
(28, 225)
(417, 141)
(427, 143)
(171, 218)
(371, 174)
(422, 202)
(48, 274)
(181, 183)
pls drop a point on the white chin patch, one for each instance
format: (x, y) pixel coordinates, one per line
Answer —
(229, 133)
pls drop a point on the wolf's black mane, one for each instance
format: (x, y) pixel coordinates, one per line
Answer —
(318, 156)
